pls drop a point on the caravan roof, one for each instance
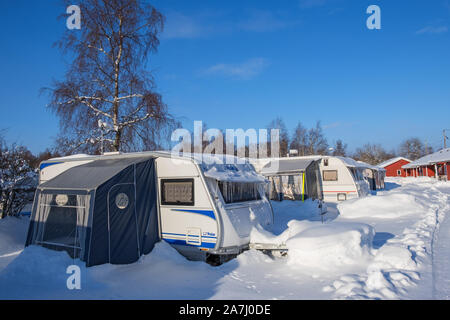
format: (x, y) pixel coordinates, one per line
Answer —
(219, 167)
(286, 166)
(369, 166)
(90, 175)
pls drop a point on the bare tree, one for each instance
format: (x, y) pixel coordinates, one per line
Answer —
(372, 154)
(340, 149)
(279, 124)
(412, 148)
(300, 140)
(317, 143)
(17, 179)
(108, 96)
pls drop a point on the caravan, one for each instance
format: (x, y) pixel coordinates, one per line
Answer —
(340, 178)
(343, 179)
(291, 178)
(374, 176)
(113, 208)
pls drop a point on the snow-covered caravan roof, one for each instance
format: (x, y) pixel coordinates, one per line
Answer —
(391, 161)
(349, 162)
(437, 157)
(369, 166)
(219, 167)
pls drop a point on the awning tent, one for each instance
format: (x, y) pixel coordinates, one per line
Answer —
(104, 211)
(293, 179)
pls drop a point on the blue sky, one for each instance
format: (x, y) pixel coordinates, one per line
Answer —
(239, 64)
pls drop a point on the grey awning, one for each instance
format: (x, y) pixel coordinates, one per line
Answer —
(91, 175)
(282, 166)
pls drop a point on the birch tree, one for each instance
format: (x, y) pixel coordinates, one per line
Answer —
(108, 94)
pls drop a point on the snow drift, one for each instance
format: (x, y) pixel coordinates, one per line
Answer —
(331, 245)
(385, 206)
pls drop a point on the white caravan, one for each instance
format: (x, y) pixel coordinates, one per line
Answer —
(206, 208)
(342, 178)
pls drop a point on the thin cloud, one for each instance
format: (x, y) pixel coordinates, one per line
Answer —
(207, 24)
(263, 21)
(181, 26)
(245, 71)
(305, 4)
(432, 30)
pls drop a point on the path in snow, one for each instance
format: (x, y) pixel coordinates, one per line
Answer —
(441, 260)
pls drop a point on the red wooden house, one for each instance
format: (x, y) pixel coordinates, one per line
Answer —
(436, 165)
(394, 167)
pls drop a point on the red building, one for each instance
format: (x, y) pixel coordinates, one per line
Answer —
(394, 167)
(435, 165)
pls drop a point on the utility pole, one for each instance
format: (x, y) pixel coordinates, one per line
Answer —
(445, 139)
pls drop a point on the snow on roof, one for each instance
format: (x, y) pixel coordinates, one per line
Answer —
(220, 167)
(391, 161)
(227, 168)
(349, 162)
(74, 156)
(437, 157)
(369, 166)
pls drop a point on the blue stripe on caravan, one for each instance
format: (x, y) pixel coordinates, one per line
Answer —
(208, 213)
(183, 235)
(183, 243)
(45, 165)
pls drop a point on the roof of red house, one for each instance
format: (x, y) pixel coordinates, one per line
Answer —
(440, 156)
(392, 161)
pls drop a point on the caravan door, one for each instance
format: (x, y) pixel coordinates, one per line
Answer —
(122, 224)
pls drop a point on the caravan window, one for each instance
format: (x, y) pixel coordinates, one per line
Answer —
(330, 175)
(234, 192)
(177, 192)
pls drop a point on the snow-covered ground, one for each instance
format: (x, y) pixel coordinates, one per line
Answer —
(393, 245)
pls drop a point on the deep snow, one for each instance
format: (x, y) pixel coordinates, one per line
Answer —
(393, 245)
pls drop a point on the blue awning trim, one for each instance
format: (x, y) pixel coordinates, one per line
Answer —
(45, 165)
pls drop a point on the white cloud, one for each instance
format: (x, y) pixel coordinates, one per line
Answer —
(245, 70)
(432, 30)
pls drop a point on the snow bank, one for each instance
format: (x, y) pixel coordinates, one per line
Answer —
(311, 243)
(394, 257)
(331, 245)
(386, 206)
(12, 238)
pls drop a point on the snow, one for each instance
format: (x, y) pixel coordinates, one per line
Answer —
(392, 245)
(437, 157)
(331, 246)
(388, 206)
(392, 161)
(74, 156)
(13, 232)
